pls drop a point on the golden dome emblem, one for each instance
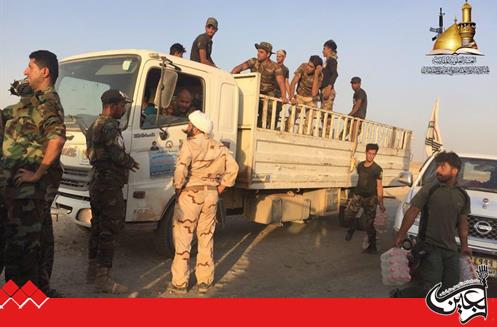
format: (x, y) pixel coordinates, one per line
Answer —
(449, 40)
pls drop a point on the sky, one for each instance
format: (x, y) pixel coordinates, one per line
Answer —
(383, 42)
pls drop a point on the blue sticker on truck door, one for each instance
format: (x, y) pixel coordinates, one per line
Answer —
(162, 163)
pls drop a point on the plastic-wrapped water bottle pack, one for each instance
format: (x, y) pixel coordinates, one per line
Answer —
(395, 267)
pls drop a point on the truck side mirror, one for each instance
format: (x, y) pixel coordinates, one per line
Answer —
(165, 89)
(406, 178)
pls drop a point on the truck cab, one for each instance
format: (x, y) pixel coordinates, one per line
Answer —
(152, 142)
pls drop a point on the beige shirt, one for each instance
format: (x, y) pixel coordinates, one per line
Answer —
(204, 161)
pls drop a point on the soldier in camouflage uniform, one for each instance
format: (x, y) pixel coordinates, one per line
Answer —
(272, 74)
(110, 170)
(308, 77)
(34, 134)
(204, 168)
(368, 194)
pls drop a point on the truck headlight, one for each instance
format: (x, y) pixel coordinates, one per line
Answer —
(84, 216)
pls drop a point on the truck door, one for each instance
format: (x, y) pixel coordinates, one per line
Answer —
(155, 142)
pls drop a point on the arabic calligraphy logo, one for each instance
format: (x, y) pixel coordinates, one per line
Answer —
(469, 298)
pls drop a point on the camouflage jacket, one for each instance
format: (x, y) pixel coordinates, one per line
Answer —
(28, 126)
(305, 83)
(203, 161)
(269, 70)
(107, 154)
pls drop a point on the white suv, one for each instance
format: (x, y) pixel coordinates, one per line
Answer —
(478, 176)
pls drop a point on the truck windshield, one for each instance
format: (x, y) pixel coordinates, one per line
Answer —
(479, 175)
(82, 82)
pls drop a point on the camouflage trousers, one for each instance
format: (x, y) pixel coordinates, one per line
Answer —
(369, 205)
(22, 240)
(195, 211)
(47, 241)
(108, 214)
(327, 104)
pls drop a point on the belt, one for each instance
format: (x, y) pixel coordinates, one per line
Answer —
(200, 188)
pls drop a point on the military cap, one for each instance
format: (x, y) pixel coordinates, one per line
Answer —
(212, 21)
(265, 46)
(355, 80)
(114, 96)
(177, 47)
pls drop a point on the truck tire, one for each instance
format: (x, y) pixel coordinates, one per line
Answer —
(163, 238)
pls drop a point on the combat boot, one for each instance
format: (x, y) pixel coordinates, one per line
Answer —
(91, 274)
(105, 284)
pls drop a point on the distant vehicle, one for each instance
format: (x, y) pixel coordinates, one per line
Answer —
(292, 166)
(479, 177)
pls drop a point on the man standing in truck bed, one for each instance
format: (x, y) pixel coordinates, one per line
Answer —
(204, 168)
(110, 169)
(367, 194)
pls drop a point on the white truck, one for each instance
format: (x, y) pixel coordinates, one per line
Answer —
(478, 176)
(292, 166)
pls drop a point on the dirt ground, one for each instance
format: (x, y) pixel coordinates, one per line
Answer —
(252, 260)
(293, 260)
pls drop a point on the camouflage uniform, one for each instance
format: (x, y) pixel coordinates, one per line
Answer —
(304, 88)
(269, 71)
(111, 165)
(202, 165)
(369, 205)
(365, 196)
(29, 125)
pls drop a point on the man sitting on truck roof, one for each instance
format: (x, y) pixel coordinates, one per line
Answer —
(202, 46)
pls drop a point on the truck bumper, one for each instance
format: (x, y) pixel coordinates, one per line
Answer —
(78, 210)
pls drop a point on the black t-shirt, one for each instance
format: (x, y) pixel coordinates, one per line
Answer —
(203, 41)
(445, 205)
(330, 73)
(360, 94)
(368, 179)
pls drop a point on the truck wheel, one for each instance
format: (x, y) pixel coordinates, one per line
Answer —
(163, 238)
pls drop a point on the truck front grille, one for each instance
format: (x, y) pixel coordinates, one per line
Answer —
(482, 228)
(76, 179)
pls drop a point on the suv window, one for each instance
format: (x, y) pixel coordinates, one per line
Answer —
(188, 96)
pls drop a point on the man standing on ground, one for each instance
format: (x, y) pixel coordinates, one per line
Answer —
(330, 75)
(367, 195)
(202, 46)
(110, 170)
(204, 168)
(444, 209)
(177, 50)
(34, 134)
